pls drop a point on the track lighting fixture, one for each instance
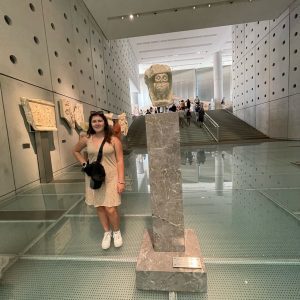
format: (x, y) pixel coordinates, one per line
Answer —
(177, 9)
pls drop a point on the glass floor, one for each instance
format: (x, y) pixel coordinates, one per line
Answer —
(243, 202)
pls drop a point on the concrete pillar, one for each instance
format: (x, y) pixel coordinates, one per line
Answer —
(218, 79)
(219, 173)
(43, 156)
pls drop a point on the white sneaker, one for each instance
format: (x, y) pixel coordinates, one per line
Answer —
(118, 241)
(106, 240)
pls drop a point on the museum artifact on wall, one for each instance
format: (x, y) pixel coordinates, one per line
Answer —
(123, 123)
(40, 114)
(109, 117)
(159, 82)
(66, 109)
(72, 113)
(78, 115)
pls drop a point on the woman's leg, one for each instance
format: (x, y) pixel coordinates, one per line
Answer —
(113, 217)
(103, 218)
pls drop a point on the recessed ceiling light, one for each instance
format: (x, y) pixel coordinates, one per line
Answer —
(209, 5)
(194, 7)
(137, 15)
(122, 18)
(131, 17)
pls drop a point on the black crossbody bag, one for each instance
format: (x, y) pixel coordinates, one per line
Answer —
(96, 170)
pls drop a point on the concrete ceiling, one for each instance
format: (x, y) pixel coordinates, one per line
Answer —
(185, 49)
(181, 33)
(163, 16)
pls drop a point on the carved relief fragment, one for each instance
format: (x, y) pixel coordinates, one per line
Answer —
(109, 117)
(40, 114)
(123, 123)
(66, 109)
(78, 115)
(72, 112)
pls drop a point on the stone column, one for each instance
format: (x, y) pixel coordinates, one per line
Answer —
(218, 79)
(165, 182)
(43, 156)
(168, 243)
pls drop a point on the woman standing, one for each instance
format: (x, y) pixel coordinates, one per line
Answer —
(107, 198)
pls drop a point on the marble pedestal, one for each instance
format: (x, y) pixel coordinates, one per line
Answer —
(155, 270)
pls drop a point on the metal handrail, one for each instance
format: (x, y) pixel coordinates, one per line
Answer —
(212, 120)
(215, 124)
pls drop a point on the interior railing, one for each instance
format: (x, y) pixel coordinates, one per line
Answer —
(212, 127)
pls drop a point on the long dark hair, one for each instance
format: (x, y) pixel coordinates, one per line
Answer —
(107, 128)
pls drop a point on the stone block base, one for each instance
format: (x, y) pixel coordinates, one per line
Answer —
(155, 271)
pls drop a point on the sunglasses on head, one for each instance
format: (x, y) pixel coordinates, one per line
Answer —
(93, 112)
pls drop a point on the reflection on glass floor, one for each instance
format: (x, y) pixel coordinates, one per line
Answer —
(243, 201)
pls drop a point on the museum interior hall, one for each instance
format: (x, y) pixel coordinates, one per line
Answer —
(206, 95)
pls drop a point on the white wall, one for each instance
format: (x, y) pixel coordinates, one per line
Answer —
(184, 84)
(266, 74)
(52, 50)
(205, 83)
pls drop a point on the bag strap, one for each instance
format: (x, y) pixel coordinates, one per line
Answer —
(99, 157)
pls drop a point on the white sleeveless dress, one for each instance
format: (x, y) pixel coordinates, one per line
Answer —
(107, 195)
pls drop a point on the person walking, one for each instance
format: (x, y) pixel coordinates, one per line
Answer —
(188, 104)
(201, 114)
(107, 198)
(181, 118)
(188, 117)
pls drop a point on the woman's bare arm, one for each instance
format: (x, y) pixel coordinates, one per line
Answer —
(78, 148)
(120, 163)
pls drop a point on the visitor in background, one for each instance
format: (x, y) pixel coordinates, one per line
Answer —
(173, 108)
(188, 104)
(201, 114)
(181, 118)
(182, 105)
(117, 129)
(188, 117)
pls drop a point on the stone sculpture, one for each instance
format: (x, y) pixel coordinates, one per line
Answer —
(72, 112)
(123, 123)
(109, 117)
(66, 109)
(78, 115)
(40, 114)
(159, 82)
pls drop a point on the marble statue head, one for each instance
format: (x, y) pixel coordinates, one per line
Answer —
(159, 81)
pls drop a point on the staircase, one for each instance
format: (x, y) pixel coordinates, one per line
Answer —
(231, 128)
(136, 136)
(189, 135)
(195, 135)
